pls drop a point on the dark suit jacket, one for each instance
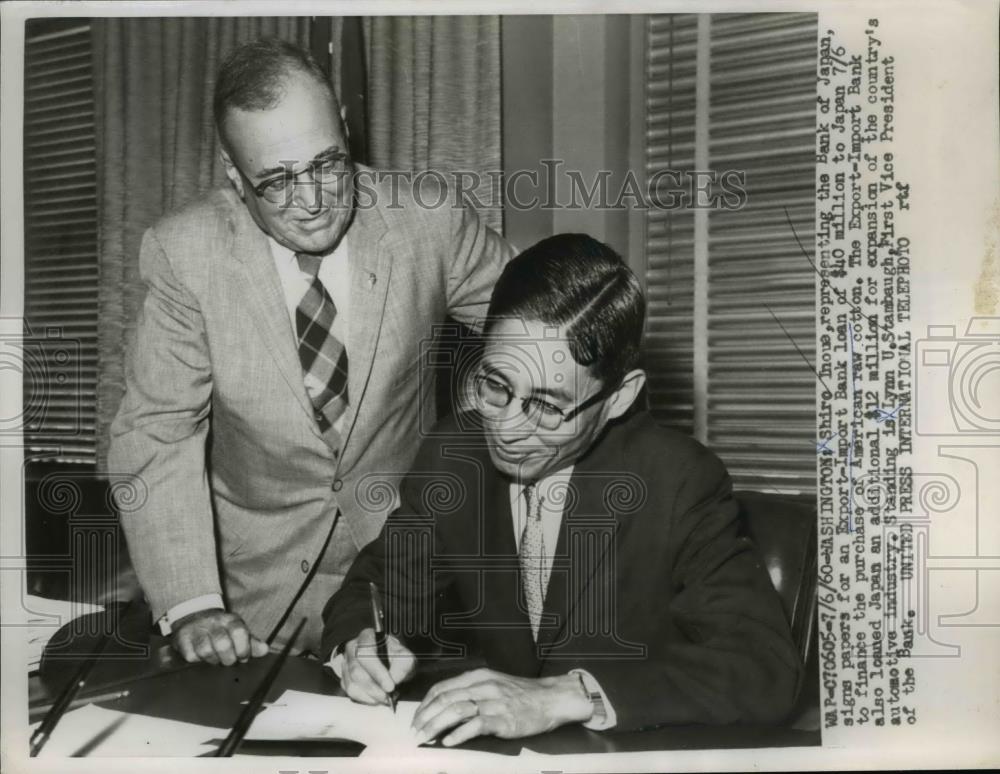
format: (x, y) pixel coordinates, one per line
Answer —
(652, 591)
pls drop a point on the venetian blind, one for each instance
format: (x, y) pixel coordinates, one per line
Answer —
(670, 149)
(60, 204)
(748, 327)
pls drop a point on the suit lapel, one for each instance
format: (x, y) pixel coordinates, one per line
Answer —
(262, 288)
(586, 535)
(370, 265)
(370, 247)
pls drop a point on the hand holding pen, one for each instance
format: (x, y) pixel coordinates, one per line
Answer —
(381, 645)
(364, 675)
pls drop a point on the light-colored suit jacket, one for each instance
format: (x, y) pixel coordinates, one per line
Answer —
(239, 489)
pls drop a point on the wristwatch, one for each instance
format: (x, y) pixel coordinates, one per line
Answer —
(596, 699)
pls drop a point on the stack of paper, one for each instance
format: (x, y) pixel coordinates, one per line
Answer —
(44, 617)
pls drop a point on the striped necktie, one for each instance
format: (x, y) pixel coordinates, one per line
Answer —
(324, 359)
(531, 555)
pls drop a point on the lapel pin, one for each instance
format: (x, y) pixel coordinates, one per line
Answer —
(371, 280)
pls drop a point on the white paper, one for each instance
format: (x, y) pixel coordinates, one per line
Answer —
(95, 731)
(300, 715)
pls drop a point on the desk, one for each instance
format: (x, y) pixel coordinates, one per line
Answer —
(161, 684)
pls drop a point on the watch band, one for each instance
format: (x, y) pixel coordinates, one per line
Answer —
(596, 700)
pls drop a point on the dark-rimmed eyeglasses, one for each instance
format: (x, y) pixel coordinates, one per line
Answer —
(494, 395)
(324, 169)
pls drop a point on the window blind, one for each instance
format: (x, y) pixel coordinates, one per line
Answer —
(60, 203)
(670, 150)
(757, 308)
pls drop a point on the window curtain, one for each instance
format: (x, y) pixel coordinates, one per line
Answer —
(156, 150)
(434, 98)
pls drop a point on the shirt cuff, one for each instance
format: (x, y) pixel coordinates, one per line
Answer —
(596, 723)
(187, 607)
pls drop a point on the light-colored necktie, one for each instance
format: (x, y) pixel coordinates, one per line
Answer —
(534, 577)
(324, 359)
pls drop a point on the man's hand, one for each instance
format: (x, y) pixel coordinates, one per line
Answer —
(365, 679)
(215, 636)
(486, 702)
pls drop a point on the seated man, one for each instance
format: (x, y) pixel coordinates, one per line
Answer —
(593, 555)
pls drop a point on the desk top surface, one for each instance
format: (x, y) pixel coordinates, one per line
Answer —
(163, 685)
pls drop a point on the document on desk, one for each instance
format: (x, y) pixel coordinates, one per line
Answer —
(94, 731)
(297, 715)
(300, 715)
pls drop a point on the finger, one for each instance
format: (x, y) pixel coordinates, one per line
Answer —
(222, 644)
(203, 648)
(357, 692)
(258, 648)
(364, 685)
(451, 714)
(184, 646)
(240, 636)
(431, 707)
(402, 664)
(478, 726)
(368, 660)
(460, 681)
(365, 638)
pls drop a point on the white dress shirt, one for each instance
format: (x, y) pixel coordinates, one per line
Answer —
(334, 273)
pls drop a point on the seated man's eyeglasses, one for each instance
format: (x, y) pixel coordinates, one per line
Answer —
(329, 167)
(494, 395)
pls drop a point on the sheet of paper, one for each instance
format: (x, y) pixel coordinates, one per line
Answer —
(301, 715)
(95, 731)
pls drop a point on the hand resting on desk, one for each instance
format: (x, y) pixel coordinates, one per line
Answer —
(364, 678)
(216, 637)
(487, 702)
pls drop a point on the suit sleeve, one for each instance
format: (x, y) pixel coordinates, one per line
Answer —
(398, 562)
(158, 437)
(734, 660)
(479, 255)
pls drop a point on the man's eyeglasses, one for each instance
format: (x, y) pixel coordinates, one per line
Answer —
(323, 170)
(494, 395)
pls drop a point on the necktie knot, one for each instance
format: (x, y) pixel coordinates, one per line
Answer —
(308, 264)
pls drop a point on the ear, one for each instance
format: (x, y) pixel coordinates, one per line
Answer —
(622, 398)
(232, 172)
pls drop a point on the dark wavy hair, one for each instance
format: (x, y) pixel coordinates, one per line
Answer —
(254, 77)
(573, 280)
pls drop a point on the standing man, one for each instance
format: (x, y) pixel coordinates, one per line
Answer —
(593, 557)
(272, 398)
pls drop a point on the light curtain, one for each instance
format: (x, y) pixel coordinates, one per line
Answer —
(434, 97)
(156, 150)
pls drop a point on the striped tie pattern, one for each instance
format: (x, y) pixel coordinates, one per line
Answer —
(531, 555)
(324, 359)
